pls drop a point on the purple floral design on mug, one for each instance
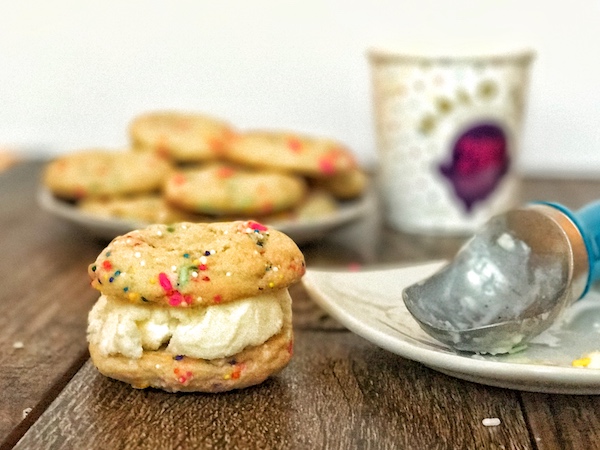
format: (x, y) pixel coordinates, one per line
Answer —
(478, 163)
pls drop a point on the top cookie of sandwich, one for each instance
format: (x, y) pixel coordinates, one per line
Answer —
(183, 137)
(102, 173)
(197, 264)
(310, 156)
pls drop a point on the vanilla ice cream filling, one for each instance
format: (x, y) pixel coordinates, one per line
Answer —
(217, 331)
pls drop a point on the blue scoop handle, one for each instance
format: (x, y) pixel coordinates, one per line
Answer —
(587, 220)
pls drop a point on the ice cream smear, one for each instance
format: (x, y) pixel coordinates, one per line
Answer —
(495, 278)
(117, 327)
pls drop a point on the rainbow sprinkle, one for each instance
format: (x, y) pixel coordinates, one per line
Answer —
(236, 372)
(581, 362)
(182, 376)
(175, 297)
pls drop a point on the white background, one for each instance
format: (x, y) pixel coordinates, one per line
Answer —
(73, 73)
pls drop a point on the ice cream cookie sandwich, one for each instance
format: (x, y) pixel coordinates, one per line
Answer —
(194, 307)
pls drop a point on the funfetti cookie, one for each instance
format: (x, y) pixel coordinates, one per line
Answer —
(224, 189)
(317, 205)
(345, 185)
(182, 136)
(147, 208)
(97, 173)
(290, 152)
(194, 307)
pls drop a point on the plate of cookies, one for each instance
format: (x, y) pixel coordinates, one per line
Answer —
(190, 167)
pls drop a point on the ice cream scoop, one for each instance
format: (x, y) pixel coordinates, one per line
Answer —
(512, 279)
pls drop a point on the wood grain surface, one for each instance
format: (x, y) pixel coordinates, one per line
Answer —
(42, 301)
(339, 392)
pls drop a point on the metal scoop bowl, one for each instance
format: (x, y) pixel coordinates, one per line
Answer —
(511, 280)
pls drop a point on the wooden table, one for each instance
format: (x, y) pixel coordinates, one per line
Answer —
(339, 392)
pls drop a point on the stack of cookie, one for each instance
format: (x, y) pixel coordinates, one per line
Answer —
(192, 167)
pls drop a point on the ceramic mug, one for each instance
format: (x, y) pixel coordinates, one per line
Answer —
(448, 130)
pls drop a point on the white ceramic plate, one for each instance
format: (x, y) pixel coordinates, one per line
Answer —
(369, 303)
(300, 230)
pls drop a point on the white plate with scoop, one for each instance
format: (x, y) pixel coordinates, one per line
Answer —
(369, 303)
(517, 307)
(373, 305)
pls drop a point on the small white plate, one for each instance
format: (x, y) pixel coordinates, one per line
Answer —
(369, 303)
(301, 231)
